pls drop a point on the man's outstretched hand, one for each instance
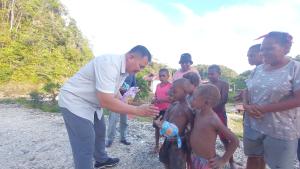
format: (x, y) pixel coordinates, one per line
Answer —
(147, 110)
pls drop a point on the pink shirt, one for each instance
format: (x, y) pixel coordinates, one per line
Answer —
(178, 74)
(162, 93)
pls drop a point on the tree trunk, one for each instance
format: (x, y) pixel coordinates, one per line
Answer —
(19, 21)
(3, 4)
(12, 15)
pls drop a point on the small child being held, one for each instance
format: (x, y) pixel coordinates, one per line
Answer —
(174, 125)
(194, 79)
(207, 125)
(161, 100)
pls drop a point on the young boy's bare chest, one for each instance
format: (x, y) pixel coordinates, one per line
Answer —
(178, 111)
(179, 116)
(204, 124)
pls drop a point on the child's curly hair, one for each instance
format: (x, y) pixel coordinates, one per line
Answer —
(209, 92)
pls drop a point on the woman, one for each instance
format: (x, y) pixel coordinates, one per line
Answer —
(185, 62)
(272, 118)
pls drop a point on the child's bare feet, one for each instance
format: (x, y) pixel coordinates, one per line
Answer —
(156, 149)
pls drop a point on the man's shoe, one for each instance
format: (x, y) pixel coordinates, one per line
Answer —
(125, 142)
(108, 144)
(110, 162)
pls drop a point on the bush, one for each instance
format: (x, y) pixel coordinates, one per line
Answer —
(51, 89)
(144, 89)
(231, 94)
(36, 97)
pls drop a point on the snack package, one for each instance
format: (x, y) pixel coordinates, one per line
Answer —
(128, 97)
(130, 94)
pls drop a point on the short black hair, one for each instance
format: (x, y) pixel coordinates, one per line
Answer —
(215, 68)
(255, 47)
(164, 70)
(209, 92)
(193, 77)
(181, 83)
(142, 51)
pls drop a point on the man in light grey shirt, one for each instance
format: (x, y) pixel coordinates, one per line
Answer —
(93, 87)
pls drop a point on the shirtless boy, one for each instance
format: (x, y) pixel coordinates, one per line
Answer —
(207, 125)
(173, 152)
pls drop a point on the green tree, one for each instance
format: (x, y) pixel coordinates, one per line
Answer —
(239, 81)
(226, 73)
(143, 84)
(153, 67)
(39, 43)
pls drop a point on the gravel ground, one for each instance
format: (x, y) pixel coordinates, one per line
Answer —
(31, 139)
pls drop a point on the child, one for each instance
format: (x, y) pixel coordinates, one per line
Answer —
(207, 125)
(194, 79)
(254, 55)
(161, 100)
(254, 58)
(173, 152)
(214, 73)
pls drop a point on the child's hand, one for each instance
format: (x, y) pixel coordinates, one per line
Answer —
(216, 163)
(158, 101)
(154, 100)
(159, 121)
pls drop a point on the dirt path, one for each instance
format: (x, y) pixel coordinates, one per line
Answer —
(31, 139)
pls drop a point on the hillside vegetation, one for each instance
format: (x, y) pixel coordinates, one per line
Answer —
(39, 45)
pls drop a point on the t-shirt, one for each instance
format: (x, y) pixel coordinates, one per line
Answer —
(130, 81)
(179, 74)
(265, 87)
(161, 92)
(102, 74)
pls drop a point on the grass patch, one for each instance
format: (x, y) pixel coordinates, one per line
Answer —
(235, 123)
(13, 101)
(44, 106)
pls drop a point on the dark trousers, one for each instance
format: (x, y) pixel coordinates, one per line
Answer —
(298, 151)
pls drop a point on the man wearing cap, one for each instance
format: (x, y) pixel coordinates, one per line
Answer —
(185, 62)
(83, 97)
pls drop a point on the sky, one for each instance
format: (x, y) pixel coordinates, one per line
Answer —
(212, 31)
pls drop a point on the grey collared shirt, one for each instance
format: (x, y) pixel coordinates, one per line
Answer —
(102, 74)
